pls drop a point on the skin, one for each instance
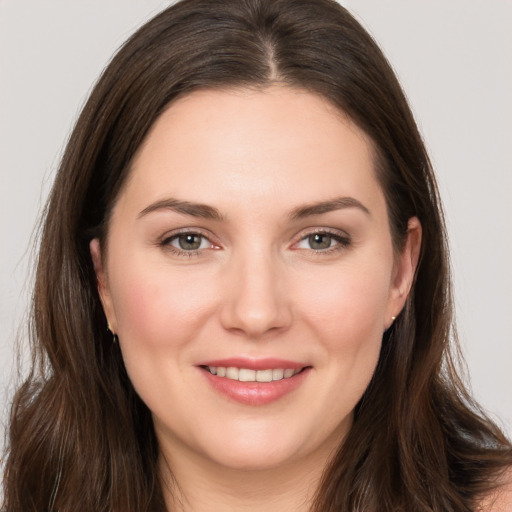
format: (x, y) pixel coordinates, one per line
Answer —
(500, 500)
(257, 288)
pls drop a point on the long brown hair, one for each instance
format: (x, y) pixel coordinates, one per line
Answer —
(81, 438)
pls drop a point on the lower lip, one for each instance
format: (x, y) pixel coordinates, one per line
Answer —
(255, 393)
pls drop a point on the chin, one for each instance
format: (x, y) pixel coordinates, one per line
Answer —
(253, 452)
(256, 460)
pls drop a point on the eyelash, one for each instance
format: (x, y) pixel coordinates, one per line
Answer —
(341, 242)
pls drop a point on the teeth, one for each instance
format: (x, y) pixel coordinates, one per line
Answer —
(264, 376)
(232, 373)
(246, 375)
(277, 374)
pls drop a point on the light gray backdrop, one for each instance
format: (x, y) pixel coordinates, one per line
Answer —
(454, 58)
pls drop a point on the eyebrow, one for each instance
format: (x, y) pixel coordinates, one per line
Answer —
(339, 203)
(205, 211)
(186, 207)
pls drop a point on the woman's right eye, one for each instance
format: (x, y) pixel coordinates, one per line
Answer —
(187, 242)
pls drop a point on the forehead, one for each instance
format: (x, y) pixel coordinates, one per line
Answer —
(279, 143)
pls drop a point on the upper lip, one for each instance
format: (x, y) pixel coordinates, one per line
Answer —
(267, 363)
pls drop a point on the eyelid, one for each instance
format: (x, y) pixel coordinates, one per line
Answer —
(320, 229)
(186, 231)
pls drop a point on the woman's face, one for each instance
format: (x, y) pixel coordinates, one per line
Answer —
(250, 243)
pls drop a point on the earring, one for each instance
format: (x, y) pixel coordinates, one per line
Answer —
(393, 318)
(115, 339)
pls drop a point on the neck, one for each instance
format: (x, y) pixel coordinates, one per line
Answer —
(192, 484)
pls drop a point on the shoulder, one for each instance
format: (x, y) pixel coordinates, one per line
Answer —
(500, 500)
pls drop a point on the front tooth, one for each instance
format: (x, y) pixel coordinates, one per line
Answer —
(288, 373)
(264, 375)
(221, 371)
(232, 373)
(246, 375)
(277, 374)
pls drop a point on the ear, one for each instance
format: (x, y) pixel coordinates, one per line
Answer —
(404, 271)
(102, 284)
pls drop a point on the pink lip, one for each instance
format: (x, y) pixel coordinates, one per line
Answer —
(255, 393)
(255, 364)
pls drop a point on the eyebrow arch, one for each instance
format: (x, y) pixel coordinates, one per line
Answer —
(339, 203)
(186, 207)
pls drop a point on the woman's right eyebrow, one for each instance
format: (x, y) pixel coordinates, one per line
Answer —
(185, 207)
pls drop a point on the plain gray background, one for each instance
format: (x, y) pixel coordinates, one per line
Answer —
(454, 59)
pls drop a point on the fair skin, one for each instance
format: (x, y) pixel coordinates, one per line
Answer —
(500, 500)
(291, 263)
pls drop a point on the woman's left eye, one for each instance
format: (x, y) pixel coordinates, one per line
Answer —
(322, 241)
(188, 242)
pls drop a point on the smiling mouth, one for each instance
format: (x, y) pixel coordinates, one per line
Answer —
(248, 375)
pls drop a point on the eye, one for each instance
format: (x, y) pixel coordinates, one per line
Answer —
(323, 241)
(188, 242)
(319, 241)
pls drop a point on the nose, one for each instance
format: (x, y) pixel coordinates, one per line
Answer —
(255, 301)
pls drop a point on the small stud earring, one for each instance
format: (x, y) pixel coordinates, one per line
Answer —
(393, 318)
(114, 335)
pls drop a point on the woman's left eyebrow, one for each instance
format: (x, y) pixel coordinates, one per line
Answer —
(339, 203)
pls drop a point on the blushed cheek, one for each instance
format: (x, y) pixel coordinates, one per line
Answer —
(158, 310)
(155, 323)
(347, 315)
(349, 300)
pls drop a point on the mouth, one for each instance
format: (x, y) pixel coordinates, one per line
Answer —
(255, 382)
(248, 375)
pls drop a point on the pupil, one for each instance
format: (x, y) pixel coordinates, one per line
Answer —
(189, 242)
(319, 241)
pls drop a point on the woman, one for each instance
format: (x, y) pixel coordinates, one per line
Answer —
(242, 297)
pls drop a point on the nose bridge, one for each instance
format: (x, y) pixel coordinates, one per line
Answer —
(255, 301)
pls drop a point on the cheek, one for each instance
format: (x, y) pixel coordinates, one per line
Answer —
(156, 306)
(346, 301)
(345, 313)
(341, 311)
(159, 312)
